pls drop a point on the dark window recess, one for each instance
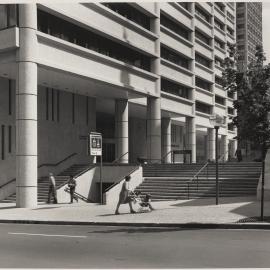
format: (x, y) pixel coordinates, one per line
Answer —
(219, 25)
(2, 142)
(52, 104)
(175, 89)
(87, 110)
(8, 16)
(218, 80)
(230, 110)
(230, 126)
(174, 58)
(218, 62)
(130, 13)
(203, 61)
(219, 6)
(73, 108)
(60, 28)
(58, 105)
(230, 31)
(9, 98)
(184, 5)
(219, 44)
(9, 139)
(230, 94)
(202, 14)
(202, 107)
(220, 100)
(202, 37)
(203, 84)
(174, 27)
(47, 103)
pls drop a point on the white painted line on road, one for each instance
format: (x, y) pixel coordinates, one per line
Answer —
(50, 235)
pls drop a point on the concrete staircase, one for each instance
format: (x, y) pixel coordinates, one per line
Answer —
(60, 179)
(169, 181)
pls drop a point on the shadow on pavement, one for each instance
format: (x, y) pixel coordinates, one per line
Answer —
(143, 230)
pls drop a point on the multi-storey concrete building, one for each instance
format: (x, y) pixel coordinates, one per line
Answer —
(145, 75)
(248, 31)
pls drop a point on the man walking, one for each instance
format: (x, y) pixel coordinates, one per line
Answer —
(52, 189)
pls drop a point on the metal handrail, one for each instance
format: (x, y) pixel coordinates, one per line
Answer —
(117, 159)
(196, 176)
(78, 196)
(58, 163)
(163, 158)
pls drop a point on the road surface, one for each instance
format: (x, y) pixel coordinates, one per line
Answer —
(55, 246)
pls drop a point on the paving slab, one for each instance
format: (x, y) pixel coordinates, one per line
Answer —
(179, 212)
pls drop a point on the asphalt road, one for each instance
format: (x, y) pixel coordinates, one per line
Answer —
(47, 246)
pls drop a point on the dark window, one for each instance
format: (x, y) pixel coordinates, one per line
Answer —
(47, 103)
(219, 25)
(52, 104)
(218, 80)
(240, 26)
(175, 89)
(203, 61)
(3, 142)
(60, 28)
(202, 14)
(184, 5)
(202, 37)
(87, 110)
(202, 107)
(218, 62)
(230, 110)
(242, 36)
(230, 16)
(175, 27)
(219, 6)
(203, 84)
(219, 44)
(130, 13)
(73, 108)
(230, 126)
(219, 100)
(230, 94)
(9, 98)
(58, 105)
(8, 16)
(9, 139)
(174, 58)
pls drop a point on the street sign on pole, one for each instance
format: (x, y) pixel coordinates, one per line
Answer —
(94, 148)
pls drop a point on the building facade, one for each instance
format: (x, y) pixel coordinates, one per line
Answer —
(248, 31)
(145, 75)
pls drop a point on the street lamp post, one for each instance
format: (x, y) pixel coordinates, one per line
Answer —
(217, 121)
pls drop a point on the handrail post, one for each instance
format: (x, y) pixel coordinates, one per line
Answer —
(188, 191)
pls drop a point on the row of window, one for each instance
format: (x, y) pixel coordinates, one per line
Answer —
(60, 28)
(3, 140)
(220, 100)
(174, 58)
(203, 38)
(129, 12)
(8, 16)
(202, 107)
(203, 84)
(175, 89)
(202, 60)
(175, 27)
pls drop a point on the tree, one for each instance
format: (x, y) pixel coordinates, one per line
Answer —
(253, 100)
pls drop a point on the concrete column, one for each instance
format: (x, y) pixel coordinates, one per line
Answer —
(224, 147)
(211, 144)
(26, 109)
(191, 137)
(153, 130)
(121, 130)
(234, 145)
(166, 125)
(206, 150)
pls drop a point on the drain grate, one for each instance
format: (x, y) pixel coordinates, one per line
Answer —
(253, 219)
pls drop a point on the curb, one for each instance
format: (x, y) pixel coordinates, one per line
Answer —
(261, 226)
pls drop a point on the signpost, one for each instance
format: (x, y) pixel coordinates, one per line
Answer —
(94, 148)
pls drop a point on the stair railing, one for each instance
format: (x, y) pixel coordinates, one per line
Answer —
(196, 177)
(119, 158)
(222, 158)
(163, 158)
(78, 196)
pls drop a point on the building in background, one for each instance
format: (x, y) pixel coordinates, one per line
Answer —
(248, 31)
(145, 75)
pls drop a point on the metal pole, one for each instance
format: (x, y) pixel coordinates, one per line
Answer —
(100, 174)
(217, 187)
(262, 190)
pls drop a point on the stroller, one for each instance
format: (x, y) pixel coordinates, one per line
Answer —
(143, 201)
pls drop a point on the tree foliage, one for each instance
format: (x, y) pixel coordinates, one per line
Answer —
(253, 100)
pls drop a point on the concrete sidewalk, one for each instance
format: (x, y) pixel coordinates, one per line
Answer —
(187, 213)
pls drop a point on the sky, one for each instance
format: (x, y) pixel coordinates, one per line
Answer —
(266, 29)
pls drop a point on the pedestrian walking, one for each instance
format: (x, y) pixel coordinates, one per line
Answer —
(52, 189)
(72, 185)
(238, 154)
(124, 196)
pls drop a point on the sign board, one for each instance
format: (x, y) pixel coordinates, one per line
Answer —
(95, 144)
(217, 120)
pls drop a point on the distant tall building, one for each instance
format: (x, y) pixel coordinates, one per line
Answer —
(248, 30)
